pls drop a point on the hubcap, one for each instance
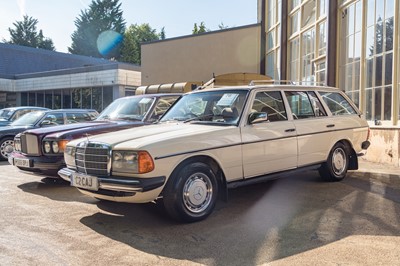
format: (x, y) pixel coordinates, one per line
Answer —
(339, 161)
(6, 148)
(197, 192)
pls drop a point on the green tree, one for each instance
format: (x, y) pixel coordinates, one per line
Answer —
(133, 37)
(199, 29)
(162, 34)
(221, 26)
(101, 16)
(25, 33)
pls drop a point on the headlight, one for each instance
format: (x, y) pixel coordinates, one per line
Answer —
(47, 147)
(69, 156)
(17, 144)
(54, 145)
(132, 162)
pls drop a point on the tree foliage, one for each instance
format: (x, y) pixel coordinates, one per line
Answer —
(221, 26)
(101, 16)
(200, 28)
(25, 33)
(133, 37)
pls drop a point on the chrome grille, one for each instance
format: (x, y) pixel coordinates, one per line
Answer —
(30, 144)
(93, 158)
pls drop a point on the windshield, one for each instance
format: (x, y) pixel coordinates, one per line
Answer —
(130, 108)
(28, 119)
(5, 114)
(211, 106)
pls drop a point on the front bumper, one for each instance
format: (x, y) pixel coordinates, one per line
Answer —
(37, 164)
(116, 183)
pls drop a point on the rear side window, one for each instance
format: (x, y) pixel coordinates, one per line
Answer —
(271, 103)
(300, 104)
(337, 103)
(78, 117)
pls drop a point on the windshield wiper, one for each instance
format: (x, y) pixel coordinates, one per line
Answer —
(200, 118)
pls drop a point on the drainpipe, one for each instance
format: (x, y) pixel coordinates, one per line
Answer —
(331, 47)
(263, 40)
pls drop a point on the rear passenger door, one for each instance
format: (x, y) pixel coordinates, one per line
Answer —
(313, 126)
(269, 146)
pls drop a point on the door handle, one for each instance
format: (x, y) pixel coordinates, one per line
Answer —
(290, 130)
(331, 125)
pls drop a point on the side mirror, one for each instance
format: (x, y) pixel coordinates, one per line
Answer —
(45, 123)
(258, 117)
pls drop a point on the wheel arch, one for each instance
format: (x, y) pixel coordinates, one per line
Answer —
(353, 159)
(214, 165)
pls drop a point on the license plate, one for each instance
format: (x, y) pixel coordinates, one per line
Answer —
(22, 162)
(84, 181)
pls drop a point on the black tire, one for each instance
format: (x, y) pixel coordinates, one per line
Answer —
(6, 147)
(335, 168)
(191, 193)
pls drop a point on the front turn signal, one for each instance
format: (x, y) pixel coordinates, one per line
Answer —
(145, 162)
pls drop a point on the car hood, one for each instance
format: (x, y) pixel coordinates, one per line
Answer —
(69, 127)
(169, 137)
(13, 129)
(92, 129)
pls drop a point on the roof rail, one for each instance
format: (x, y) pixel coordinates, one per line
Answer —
(270, 81)
(283, 82)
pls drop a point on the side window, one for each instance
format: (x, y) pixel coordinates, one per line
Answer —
(53, 119)
(162, 106)
(77, 117)
(271, 103)
(20, 113)
(316, 104)
(300, 104)
(337, 103)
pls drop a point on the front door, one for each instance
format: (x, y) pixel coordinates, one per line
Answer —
(269, 146)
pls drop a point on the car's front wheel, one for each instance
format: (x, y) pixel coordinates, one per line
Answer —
(6, 147)
(335, 168)
(191, 193)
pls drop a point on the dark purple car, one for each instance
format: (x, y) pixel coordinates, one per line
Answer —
(41, 150)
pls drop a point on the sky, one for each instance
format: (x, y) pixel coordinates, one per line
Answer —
(56, 17)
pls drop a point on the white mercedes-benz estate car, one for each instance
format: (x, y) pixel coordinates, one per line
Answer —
(215, 139)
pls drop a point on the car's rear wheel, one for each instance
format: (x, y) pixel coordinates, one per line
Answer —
(191, 193)
(335, 168)
(6, 147)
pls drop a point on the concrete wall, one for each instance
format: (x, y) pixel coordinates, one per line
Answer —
(385, 146)
(78, 80)
(197, 57)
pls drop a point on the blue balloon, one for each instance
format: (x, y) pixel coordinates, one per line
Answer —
(107, 41)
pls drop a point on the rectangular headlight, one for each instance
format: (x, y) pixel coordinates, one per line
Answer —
(69, 155)
(137, 162)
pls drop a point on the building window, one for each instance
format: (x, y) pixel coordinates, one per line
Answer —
(57, 99)
(48, 99)
(273, 29)
(307, 40)
(76, 98)
(107, 96)
(66, 94)
(97, 99)
(350, 58)
(86, 98)
(379, 58)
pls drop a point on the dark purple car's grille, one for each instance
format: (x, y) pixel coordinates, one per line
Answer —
(29, 144)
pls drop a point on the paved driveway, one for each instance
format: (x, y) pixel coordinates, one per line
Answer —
(293, 221)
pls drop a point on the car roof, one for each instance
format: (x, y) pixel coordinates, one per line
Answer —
(271, 86)
(24, 107)
(157, 95)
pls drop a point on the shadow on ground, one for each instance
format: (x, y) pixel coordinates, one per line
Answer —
(259, 224)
